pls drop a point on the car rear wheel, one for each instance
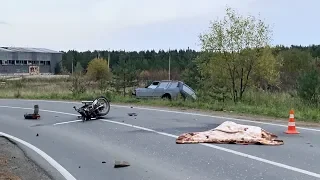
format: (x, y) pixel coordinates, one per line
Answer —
(166, 96)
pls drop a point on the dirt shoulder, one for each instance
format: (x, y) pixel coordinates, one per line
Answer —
(14, 165)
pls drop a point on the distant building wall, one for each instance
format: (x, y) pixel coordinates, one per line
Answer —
(24, 69)
(16, 62)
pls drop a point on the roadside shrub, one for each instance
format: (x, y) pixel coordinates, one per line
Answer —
(309, 87)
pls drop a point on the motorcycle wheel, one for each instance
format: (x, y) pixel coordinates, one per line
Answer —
(106, 103)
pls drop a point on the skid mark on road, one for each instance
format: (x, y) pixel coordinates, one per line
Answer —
(207, 145)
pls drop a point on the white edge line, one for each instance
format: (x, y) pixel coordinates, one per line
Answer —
(179, 112)
(50, 160)
(67, 122)
(208, 145)
(226, 150)
(220, 117)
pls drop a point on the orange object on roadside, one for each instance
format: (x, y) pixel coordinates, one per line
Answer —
(291, 124)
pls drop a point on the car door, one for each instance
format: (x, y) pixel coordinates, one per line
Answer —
(159, 90)
(187, 91)
(147, 92)
(144, 92)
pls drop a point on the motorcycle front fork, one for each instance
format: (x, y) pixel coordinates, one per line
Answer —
(83, 114)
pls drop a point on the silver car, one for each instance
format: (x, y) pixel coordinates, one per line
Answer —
(165, 89)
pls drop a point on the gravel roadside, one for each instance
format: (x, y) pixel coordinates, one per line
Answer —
(15, 165)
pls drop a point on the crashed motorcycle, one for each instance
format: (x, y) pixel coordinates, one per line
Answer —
(93, 109)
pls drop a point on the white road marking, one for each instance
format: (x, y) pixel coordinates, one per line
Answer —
(50, 160)
(180, 112)
(14, 107)
(226, 150)
(57, 112)
(207, 145)
(219, 117)
(66, 122)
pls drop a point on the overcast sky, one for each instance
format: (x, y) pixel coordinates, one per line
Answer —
(144, 24)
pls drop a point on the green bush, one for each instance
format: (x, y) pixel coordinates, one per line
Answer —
(309, 87)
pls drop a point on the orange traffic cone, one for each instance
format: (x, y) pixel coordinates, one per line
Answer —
(291, 124)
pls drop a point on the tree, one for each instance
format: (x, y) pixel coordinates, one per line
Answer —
(98, 71)
(294, 62)
(125, 72)
(213, 78)
(78, 68)
(266, 73)
(309, 86)
(238, 43)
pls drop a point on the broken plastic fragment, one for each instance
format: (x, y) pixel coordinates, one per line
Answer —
(119, 164)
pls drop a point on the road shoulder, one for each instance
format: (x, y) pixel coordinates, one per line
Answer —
(15, 165)
(224, 114)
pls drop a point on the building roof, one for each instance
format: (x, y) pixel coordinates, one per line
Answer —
(25, 49)
(5, 50)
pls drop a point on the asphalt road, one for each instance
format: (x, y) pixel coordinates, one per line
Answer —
(147, 142)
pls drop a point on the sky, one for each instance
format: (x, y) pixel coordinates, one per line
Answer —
(135, 25)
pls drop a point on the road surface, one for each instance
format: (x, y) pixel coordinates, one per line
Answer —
(147, 142)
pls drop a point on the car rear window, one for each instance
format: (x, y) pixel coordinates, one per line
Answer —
(163, 85)
(174, 85)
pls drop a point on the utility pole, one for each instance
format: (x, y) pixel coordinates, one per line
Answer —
(108, 60)
(72, 67)
(98, 55)
(169, 63)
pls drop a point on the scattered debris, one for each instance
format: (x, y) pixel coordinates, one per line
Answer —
(36, 109)
(31, 116)
(3, 161)
(35, 114)
(230, 132)
(119, 164)
(37, 125)
(132, 114)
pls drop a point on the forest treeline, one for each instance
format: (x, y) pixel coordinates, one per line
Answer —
(182, 61)
(236, 56)
(153, 61)
(159, 60)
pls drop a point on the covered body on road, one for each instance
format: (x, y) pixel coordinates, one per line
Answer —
(230, 132)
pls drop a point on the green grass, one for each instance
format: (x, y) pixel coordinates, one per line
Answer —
(275, 105)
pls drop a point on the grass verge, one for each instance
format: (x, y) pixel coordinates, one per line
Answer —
(275, 105)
